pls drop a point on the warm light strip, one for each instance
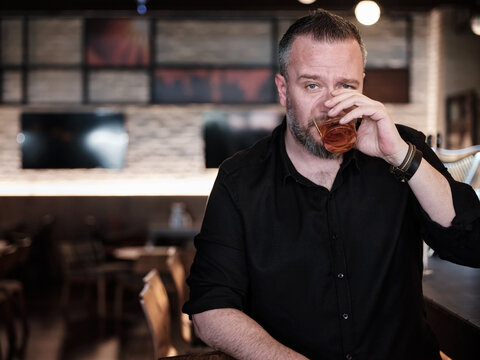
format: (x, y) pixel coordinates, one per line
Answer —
(135, 187)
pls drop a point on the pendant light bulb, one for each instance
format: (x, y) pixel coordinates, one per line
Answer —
(475, 24)
(367, 12)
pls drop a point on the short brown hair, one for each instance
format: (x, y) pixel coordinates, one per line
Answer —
(322, 25)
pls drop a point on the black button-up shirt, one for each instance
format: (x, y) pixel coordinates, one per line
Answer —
(332, 274)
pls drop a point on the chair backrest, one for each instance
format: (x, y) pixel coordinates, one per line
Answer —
(75, 256)
(462, 164)
(177, 271)
(155, 305)
(8, 260)
(460, 170)
(212, 355)
(23, 246)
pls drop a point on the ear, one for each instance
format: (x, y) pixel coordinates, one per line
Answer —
(281, 83)
(363, 82)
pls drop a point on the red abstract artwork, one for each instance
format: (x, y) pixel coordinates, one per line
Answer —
(214, 85)
(117, 42)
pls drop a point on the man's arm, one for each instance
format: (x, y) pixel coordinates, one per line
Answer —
(431, 189)
(238, 335)
(378, 136)
(433, 192)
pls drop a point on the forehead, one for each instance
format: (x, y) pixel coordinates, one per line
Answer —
(307, 52)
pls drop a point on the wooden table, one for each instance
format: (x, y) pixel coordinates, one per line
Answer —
(145, 258)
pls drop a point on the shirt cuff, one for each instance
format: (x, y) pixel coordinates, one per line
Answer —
(215, 298)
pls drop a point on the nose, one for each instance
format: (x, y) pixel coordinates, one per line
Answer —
(320, 102)
(329, 94)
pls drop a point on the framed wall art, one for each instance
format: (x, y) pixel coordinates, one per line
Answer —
(203, 85)
(117, 42)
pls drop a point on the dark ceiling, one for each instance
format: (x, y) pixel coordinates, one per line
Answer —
(210, 5)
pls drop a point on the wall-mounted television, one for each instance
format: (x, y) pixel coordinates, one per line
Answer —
(69, 140)
(225, 133)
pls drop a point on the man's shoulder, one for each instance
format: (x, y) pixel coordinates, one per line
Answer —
(249, 158)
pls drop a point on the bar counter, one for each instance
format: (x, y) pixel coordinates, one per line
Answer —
(452, 301)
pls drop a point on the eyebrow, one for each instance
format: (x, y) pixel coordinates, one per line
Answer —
(349, 81)
(308, 77)
(341, 80)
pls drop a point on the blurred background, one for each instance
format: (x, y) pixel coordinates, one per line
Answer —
(114, 117)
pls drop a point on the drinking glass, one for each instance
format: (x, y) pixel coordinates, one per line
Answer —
(336, 138)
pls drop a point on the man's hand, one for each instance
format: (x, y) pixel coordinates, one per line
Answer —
(377, 135)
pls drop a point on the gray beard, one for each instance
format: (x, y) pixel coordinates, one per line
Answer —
(304, 137)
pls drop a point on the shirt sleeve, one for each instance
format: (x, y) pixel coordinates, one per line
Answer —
(218, 276)
(460, 242)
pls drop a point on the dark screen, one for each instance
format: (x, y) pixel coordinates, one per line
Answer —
(225, 134)
(73, 140)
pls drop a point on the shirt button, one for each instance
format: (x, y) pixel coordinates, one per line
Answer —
(340, 275)
(349, 357)
(345, 316)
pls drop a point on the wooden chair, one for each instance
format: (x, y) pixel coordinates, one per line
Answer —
(76, 271)
(13, 296)
(155, 305)
(177, 272)
(172, 272)
(212, 355)
(133, 281)
(6, 315)
(82, 266)
(5, 319)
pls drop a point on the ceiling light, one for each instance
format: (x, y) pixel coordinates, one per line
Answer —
(307, 2)
(142, 7)
(367, 12)
(475, 24)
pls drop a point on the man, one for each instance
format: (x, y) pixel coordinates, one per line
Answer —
(308, 254)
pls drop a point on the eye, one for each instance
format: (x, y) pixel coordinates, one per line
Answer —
(346, 86)
(312, 86)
